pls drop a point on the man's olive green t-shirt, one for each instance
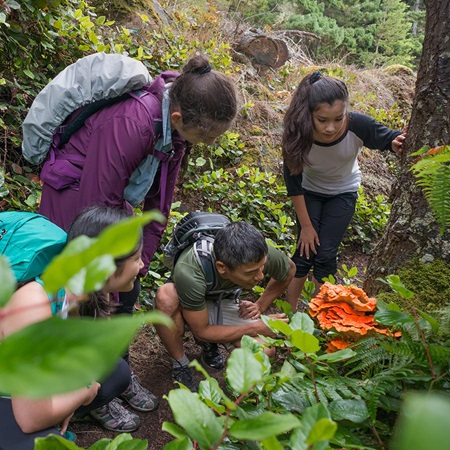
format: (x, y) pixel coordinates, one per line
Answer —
(190, 281)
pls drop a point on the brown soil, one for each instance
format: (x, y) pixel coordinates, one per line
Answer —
(149, 360)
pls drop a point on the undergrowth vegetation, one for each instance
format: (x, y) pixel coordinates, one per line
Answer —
(306, 398)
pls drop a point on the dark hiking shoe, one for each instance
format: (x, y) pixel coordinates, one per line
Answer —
(114, 417)
(138, 397)
(211, 356)
(185, 376)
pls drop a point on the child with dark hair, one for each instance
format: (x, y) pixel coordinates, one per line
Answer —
(115, 143)
(24, 419)
(321, 143)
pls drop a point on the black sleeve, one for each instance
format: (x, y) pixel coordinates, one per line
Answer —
(373, 134)
(293, 182)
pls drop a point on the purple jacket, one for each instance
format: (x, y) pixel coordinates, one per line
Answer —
(114, 141)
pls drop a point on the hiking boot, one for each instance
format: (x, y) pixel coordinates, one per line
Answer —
(138, 397)
(114, 417)
(185, 375)
(211, 356)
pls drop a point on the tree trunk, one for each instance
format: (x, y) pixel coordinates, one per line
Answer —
(412, 231)
(262, 49)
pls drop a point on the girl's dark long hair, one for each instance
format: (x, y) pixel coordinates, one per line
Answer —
(298, 131)
(91, 222)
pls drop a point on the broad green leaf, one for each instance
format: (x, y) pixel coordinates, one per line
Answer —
(195, 417)
(302, 321)
(174, 430)
(287, 371)
(272, 443)
(102, 444)
(306, 342)
(340, 355)
(212, 394)
(116, 240)
(323, 430)
(7, 282)
(243, 370)
(431, 320)
(263, 426)
(54, 442)
(58, 355)
(423, 423)
(354, 410)
(278, 325)
(391, 318)
(180, 444)
(92, 277)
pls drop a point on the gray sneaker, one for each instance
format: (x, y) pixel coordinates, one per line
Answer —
(138, 397)
(114, 417)
(185, 375)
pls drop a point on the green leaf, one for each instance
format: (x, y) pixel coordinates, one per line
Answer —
(56, 355)
(264, 426)
(302, 321)
(195, 417)
(323, 430)
(243, 370)
(423, 423)
(390, 317)
(306, 342)
(272, 443)
(180, 444)
(340, 355)
(7, 281)
(431, 320)
(54, 442)
(116, 240)
(174, 430)
(28, 73)
(278, 325)
(354, 410)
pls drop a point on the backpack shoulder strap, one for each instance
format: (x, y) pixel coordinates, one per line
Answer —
(203, 253)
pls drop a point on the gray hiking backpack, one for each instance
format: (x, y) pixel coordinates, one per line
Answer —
(197, 229)
(97, 77)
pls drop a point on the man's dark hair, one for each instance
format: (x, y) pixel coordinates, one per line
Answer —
(239, 243)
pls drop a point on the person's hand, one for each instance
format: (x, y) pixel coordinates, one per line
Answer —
(397, 143)
(249, 310)
(308, 241)
(92, 391)
(65, 423)
(278, 316)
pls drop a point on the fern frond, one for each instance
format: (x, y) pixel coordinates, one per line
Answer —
(433, 176)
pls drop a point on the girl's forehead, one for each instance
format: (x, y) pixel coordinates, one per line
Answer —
(338, 107)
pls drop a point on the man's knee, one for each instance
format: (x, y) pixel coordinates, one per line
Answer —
(167, 300)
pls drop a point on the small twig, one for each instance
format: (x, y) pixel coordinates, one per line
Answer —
(424, 343)
(313, 379)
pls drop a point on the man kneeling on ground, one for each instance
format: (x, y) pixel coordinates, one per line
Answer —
(241, 260)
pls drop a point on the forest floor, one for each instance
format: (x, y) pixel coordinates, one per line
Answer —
(149, 360)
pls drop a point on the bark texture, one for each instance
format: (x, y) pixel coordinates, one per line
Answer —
(263, 50)
(412, 232)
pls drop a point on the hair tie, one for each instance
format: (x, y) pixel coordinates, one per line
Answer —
(315, 76)
(205, 70)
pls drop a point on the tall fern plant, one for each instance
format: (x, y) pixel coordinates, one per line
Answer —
(432, 171)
